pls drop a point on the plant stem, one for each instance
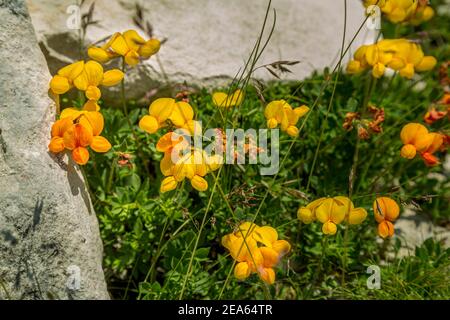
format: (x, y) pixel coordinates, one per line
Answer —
(344, 262)
(124, 101)
(197, 240)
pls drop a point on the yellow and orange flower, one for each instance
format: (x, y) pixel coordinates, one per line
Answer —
(386, 211)
(78, 134)
(417, 139)
(255, 249)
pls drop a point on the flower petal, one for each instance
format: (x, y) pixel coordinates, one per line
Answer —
(100, 144)
(199, 183)
(267, 275)
(357, 216)
(99, 54)
(271, 257)
(149, 124)
(112, 77)
(168, 184)
(385, 229)
(80, 155)
(162, 108)
(266, 235)
(93, 93)
(385, 208)
(59, 84)
(95, 121)
(72, 70)
(150, 48)
(132, 58)
(242, 271)
(119, 45)
(133, 39)
(56, 145)
(61, 126)
(94, 73)
(329, 228)
(282, 247)
(181, 114)
(77, 136)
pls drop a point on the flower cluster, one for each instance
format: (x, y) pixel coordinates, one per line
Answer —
(85, 77)
(129, 45)
(417, 139)
(331, 212)
(180, 159)
(386, 211)
(192, 164)
(78, 129)
(398, 54)
(411, 11)
(279, 112)
(76, 132)
(255, 249)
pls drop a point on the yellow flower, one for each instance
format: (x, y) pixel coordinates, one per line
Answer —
(256, 249)
(398, 54)
(330, 212)
(179, 113)
(93, 76)
(279, 112)
(222, 100)
(85, 77)
(129, 45)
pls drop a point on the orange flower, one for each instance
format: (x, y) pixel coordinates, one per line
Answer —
(416, 138)
(386, 211)
(78, 134)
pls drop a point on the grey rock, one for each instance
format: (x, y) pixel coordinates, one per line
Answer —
(413, 228)
(208, 41)
(50, 246)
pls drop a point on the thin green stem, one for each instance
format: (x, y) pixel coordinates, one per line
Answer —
(197, 240)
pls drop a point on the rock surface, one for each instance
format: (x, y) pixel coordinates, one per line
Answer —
(208, 41)
(49, 239)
